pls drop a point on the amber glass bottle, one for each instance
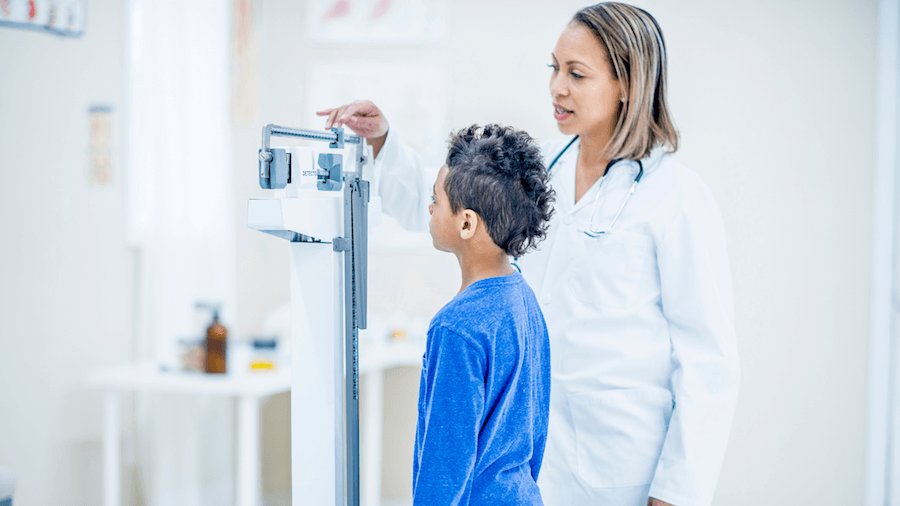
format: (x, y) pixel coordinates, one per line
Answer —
(216, 338)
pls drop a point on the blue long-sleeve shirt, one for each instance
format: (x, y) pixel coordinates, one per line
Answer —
(484, 399)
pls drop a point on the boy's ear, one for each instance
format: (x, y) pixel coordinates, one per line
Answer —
(468, 224)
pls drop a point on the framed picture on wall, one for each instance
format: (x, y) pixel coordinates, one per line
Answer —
(375, 21)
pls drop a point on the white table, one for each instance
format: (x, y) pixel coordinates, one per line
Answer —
(249, 388)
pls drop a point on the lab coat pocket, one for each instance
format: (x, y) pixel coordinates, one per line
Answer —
(619, 435)
(610, 269)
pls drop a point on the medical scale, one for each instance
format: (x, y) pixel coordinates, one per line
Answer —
(324, 198)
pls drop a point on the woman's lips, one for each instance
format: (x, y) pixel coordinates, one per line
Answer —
(560, 114)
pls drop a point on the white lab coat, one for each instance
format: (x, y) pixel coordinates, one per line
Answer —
(644, 364)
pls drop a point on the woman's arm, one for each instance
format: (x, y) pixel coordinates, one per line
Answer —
(403, 186)
(695, 282)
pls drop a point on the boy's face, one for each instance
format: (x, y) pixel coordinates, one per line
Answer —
(443, 224)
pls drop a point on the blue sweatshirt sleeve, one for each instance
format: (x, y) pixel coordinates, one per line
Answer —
(451, 407)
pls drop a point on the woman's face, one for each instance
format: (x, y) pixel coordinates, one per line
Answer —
(586, 95)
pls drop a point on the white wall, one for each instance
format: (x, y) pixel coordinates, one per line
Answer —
(65, 271)
(775, 103)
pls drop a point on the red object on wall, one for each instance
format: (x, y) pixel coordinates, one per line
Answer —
(32, 10)
(381, 8)
(340, 9)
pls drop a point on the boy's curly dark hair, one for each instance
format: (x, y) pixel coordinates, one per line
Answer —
(499, 173)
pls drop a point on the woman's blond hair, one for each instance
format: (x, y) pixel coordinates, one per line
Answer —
(636, 52)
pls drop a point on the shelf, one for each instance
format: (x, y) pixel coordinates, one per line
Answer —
(148, 377)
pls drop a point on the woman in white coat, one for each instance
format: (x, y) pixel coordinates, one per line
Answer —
(633, 277)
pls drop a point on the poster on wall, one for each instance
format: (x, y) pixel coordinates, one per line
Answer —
(100, 128)
(60, 17)
(375, 21)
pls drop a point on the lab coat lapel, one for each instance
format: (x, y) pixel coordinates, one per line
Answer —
(563, 179)
(558, 243)
(569, 166)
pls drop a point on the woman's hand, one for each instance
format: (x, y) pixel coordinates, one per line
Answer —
(657, 502)
(361, 116)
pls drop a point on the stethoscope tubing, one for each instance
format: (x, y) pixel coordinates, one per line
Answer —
(591, 232)
(597, 233)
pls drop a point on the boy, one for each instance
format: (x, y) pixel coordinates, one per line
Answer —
(485, 387)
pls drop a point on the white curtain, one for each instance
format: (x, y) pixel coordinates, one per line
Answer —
(181, 219)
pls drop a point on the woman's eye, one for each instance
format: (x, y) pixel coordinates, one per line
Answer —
(576, 75)
(432, 199)
(554, 67)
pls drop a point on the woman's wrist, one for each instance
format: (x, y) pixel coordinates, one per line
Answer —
(377, 143)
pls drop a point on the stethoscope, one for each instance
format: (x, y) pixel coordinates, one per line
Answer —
(591, 231)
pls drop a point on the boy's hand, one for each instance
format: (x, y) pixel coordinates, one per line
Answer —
(361, 116)
(657, 502)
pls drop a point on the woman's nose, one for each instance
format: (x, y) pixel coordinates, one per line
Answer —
(431, 208)
(557, 85)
